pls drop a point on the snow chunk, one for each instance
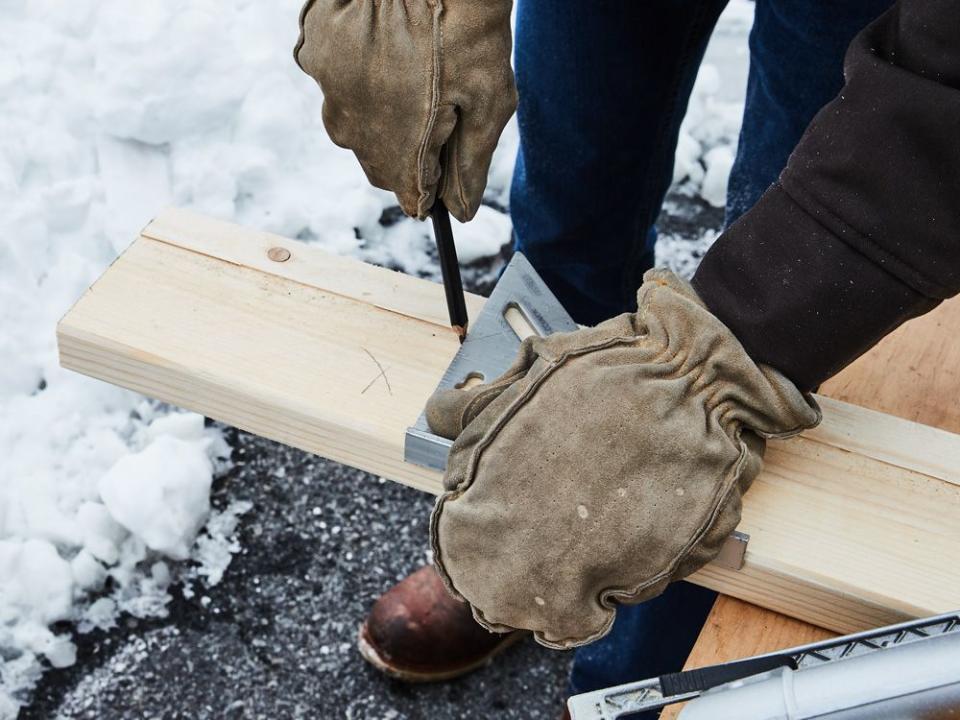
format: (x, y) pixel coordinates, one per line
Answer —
(216, 547)
(719, 162)
(481, 237)
(101, 614)
(715, 109)
(35, 582)
(88, 574)
(407, 243)
(682, 255)
(100, 533)
(36, 590)
(183, 426)
(161, 494)
(60, 651)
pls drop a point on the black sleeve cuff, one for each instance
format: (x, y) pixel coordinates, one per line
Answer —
(800, 299)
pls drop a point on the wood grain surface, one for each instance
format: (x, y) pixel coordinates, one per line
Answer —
(914, 373)
(849, 524)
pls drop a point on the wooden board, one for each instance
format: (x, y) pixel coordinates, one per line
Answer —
(320, 352)
(736, 629)
(912, 373)
(851, 526)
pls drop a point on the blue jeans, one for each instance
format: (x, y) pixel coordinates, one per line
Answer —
(603, 87)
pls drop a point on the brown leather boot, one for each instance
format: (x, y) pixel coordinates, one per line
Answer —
(419, 633)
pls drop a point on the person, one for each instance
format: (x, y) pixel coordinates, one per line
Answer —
(842, 219)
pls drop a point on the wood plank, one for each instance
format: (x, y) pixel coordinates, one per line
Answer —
(276, 357)
(307, 265)
(887, 438)
(846, 533)
(912, 373)
(736, 629)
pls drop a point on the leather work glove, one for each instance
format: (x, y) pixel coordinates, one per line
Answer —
(420, 90)
(605, 464)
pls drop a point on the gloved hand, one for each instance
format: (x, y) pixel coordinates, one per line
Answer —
(420, 90)
(605, 464)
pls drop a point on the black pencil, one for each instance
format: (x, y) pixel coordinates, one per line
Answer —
(449, 268)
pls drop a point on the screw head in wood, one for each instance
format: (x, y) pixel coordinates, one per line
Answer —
(278, 254)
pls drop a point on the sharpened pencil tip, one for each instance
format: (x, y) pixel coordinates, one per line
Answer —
(461, 331)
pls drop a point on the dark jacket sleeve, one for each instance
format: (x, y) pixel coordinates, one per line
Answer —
(862, 231)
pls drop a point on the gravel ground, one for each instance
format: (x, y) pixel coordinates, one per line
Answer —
(275, 639)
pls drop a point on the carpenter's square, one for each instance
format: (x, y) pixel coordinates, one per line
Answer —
(520, 305)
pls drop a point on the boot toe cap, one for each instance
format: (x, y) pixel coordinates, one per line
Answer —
(418, 631)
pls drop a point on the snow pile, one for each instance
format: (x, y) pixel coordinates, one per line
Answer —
(173, 475)
(707, 143)
(108, 113)
(86, 518)
(405, 244)
(708, 135)
(92, 500)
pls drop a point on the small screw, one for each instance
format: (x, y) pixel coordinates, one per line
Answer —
(278, 254)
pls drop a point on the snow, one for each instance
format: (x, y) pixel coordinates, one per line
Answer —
(718, 161)
(405, 244)
(106, 115)
(161, 494)
(708, 135)
(681, 254)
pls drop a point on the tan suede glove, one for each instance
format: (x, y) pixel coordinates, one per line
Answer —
(420, 90)
(607, 463)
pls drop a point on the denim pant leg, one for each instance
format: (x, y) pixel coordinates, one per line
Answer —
(796, 67)
(646, 640)
(603, 87)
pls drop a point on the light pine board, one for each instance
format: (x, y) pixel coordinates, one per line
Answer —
(850, 527)
(913, 373)
(736, 629)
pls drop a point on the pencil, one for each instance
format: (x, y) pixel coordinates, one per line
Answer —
(449, 268)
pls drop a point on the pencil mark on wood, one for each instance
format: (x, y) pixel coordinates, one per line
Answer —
(382, 374)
